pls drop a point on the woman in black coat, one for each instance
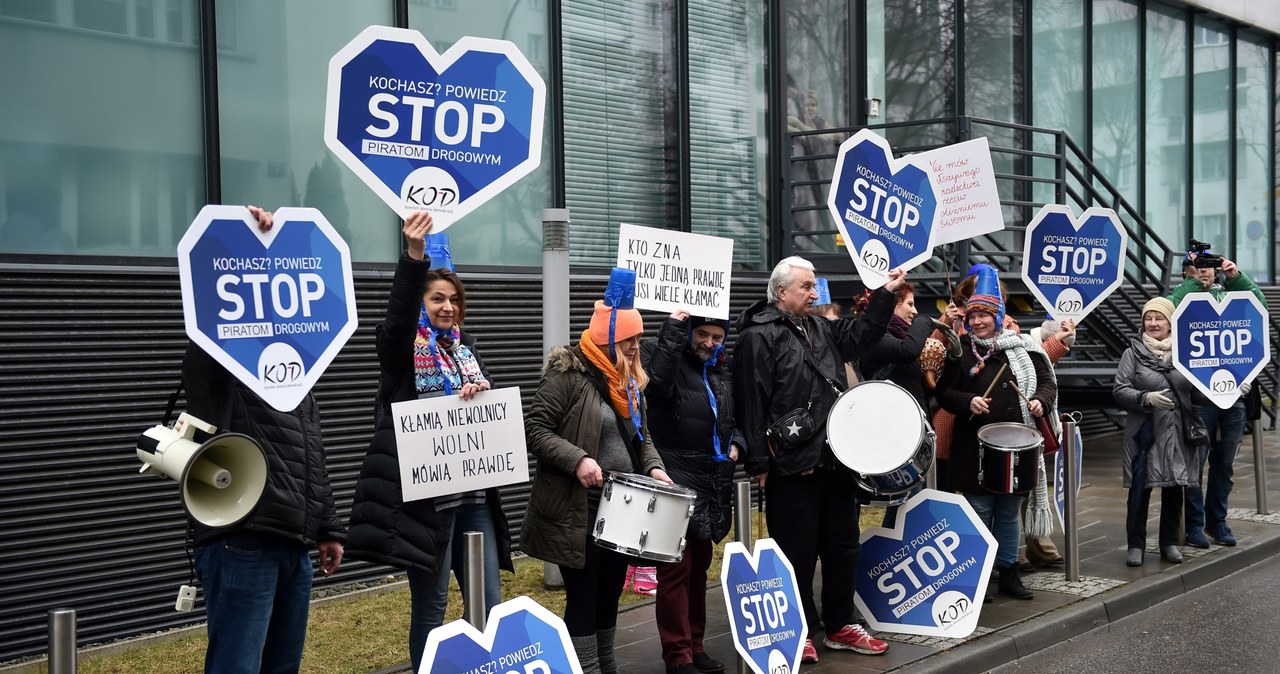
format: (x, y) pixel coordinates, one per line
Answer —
(423, 353)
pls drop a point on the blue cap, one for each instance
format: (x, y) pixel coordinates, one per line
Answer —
(438, 251)
(978, 267)
(621, 291)
(824, 291)
(986, 295)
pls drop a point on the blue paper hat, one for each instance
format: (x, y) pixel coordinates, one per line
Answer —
(977, 268)
(986, 295)
(621, 291)
(438, 251)
(824, 292)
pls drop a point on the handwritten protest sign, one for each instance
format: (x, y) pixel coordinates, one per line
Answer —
(968, 199)
(678, 270)
(449, 445)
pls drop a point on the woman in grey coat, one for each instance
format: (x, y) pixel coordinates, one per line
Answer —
(1158, 400)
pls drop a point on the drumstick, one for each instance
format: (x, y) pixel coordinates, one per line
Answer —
(1019, 391)
(993, 385)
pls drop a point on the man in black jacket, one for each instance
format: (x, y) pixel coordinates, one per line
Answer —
(691, 390)
(787, 375)
(256, 575)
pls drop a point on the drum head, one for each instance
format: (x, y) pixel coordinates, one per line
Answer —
(649, 484)
(1009, 436)
(875, 427)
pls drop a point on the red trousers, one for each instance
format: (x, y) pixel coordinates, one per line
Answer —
(682, 604)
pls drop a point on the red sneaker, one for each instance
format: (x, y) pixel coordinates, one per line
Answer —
(809, 655)
(855, 638)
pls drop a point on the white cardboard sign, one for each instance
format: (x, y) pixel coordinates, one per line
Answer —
(449, 445)
(678, 270)
(968, 199)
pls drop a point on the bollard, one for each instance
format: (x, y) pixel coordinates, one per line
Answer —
(1070, 455)
(62, 641)
(1259, 468)
(742, 526)
(555, 314)
(473, 559)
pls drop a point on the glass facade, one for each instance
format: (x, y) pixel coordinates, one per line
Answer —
(100, 127)
(666, 109)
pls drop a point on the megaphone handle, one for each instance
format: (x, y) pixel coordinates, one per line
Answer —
(173, 402)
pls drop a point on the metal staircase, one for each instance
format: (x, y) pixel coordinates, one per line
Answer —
(1033, 166)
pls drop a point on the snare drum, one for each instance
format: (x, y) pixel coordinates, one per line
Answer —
(877, 429)
(643, 517)
(1008, 457)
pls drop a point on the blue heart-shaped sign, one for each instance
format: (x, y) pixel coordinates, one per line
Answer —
(1220, 344)
(927, 575)
(765, 613)
(273, 308)
(1072, 264)
(884, 207)
(433, 132)
(520, 636)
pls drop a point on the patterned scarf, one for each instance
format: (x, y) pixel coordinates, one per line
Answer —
(441, 362)
(1017, 350)
(1160, 348)
(622, 398)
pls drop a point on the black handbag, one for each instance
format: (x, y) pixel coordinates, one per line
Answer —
(793, 429)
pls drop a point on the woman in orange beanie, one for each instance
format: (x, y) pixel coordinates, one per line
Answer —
(588, 418)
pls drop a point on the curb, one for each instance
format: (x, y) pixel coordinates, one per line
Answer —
(1080, 617)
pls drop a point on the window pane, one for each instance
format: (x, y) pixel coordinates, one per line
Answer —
(1115, 95)
(920, 77)
(727, 122)
(1210, 166)
(619, 122)
(1057, 81)
(108, 161)
(273, 66)
(1165, 200)
(817, 98)
(994, 89)
(507, 229)
(1253, 166)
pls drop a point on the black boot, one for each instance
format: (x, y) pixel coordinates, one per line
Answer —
(1011, 583)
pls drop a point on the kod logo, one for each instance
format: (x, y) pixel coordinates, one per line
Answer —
(765, 613)
(520, 637)
(1219, 345)
(1071, 264)
(883, 207)
(433, 132)
(928, 575)
(273, 308)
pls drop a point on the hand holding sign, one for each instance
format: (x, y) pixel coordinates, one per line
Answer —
(678, 270)
(269, 296)
(1071, 264)
(884, 207)
(433, 132)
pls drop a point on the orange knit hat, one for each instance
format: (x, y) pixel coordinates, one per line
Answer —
(628, 324)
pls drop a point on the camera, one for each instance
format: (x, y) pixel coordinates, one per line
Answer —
(1204, 259)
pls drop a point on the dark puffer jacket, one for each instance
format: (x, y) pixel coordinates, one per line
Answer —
(771, 377)
(385, 529)
(677, 397)
(297, 503)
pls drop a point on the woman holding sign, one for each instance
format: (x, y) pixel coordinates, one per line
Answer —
(1001, 377)
(589, 418)
(423, 353)
(1158, 399)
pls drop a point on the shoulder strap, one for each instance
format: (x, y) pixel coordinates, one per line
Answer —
(808, 357)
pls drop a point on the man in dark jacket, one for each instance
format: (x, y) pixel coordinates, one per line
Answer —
(691, 390)
(256, 575)
(789, 363)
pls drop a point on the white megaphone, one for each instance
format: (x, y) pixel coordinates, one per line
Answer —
(221, 479)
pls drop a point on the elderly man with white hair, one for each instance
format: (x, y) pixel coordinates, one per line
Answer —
(788, 372)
